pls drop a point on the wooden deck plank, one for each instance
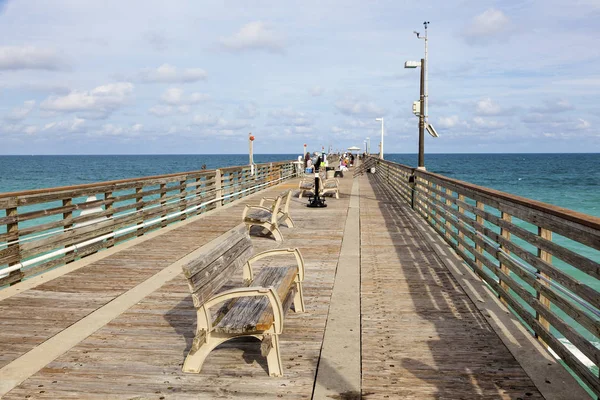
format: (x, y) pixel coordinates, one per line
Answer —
(422, 337)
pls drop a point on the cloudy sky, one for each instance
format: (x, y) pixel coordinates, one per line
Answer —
(128, 77)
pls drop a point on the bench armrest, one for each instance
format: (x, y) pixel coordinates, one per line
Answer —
(248, 274)
(251, 291)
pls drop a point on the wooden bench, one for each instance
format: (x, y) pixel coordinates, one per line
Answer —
(330, 185)
(270, 217)
(284, 209)
(307, 185)
(256, 308)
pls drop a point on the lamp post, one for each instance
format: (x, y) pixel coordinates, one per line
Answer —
(423, 124)
(381, 147)
(368, 145)
(251, 152)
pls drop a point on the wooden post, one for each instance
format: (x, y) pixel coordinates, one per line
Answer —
(13, 235)
(545, 256)
(138, 199)
(68, 214)
(447, 217)
(198, 195)
(163, 194)
(479, 219)
(182, 200)
(412, 182)
(218, 187)
(461, 210)
(506, 235)
(110, 242)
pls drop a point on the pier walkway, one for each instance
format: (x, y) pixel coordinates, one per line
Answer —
(390, 314)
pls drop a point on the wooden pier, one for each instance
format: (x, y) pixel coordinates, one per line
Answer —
(119, 323)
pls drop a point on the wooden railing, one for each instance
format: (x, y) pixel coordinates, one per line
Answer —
(45, 228)
(541, 260)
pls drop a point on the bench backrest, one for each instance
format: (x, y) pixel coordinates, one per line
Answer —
(216, 262)
(285, 203)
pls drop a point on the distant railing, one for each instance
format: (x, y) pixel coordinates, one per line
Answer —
(511, 242)
(42, 229)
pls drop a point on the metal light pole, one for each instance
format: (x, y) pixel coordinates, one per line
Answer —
(381, 147)
(368, 145)
(425, 24)
(422, 120)
(423, 123)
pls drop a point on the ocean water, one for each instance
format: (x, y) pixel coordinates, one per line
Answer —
(566, 180)
(35, 172)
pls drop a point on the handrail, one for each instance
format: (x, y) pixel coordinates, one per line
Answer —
(41, 231)
(508, 241)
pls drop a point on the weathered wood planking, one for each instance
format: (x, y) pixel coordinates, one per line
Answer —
(141, 352)
(422, 336)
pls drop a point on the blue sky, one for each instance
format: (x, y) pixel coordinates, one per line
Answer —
(129, 77)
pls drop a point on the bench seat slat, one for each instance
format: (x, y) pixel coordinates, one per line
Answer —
(259, 215)
(254, 314)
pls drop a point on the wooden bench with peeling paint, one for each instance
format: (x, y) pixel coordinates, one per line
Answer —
(256, 308)
(270, 217)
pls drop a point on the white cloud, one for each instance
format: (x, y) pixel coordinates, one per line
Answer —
(120, 131)
(164, 111)
(169, 74)
(583, 124)
(289, 117)
(29, 57)
(73, 125)
(254, 36)
(359, 108)
(487, 124)
(316, 91)
(20, 113)
(487, 106)
(553, 107)
(220, 126)
(176, 96)
(452, 121)
(98, 102)
(489, 25)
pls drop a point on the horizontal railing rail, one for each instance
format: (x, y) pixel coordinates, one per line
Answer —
(45, 228)
(541, 260)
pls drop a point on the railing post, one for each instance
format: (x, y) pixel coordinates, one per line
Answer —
(447, 216)
(461, 211)
(68, 214)
(13, 236)
(110, 242)
(479, 219)
(218, 187)
(412, 182)
(505, 233)
(547, 257)
(182, 196)
(198, 195)
(138, 208)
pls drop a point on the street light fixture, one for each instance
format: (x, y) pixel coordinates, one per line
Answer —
(381, 150)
